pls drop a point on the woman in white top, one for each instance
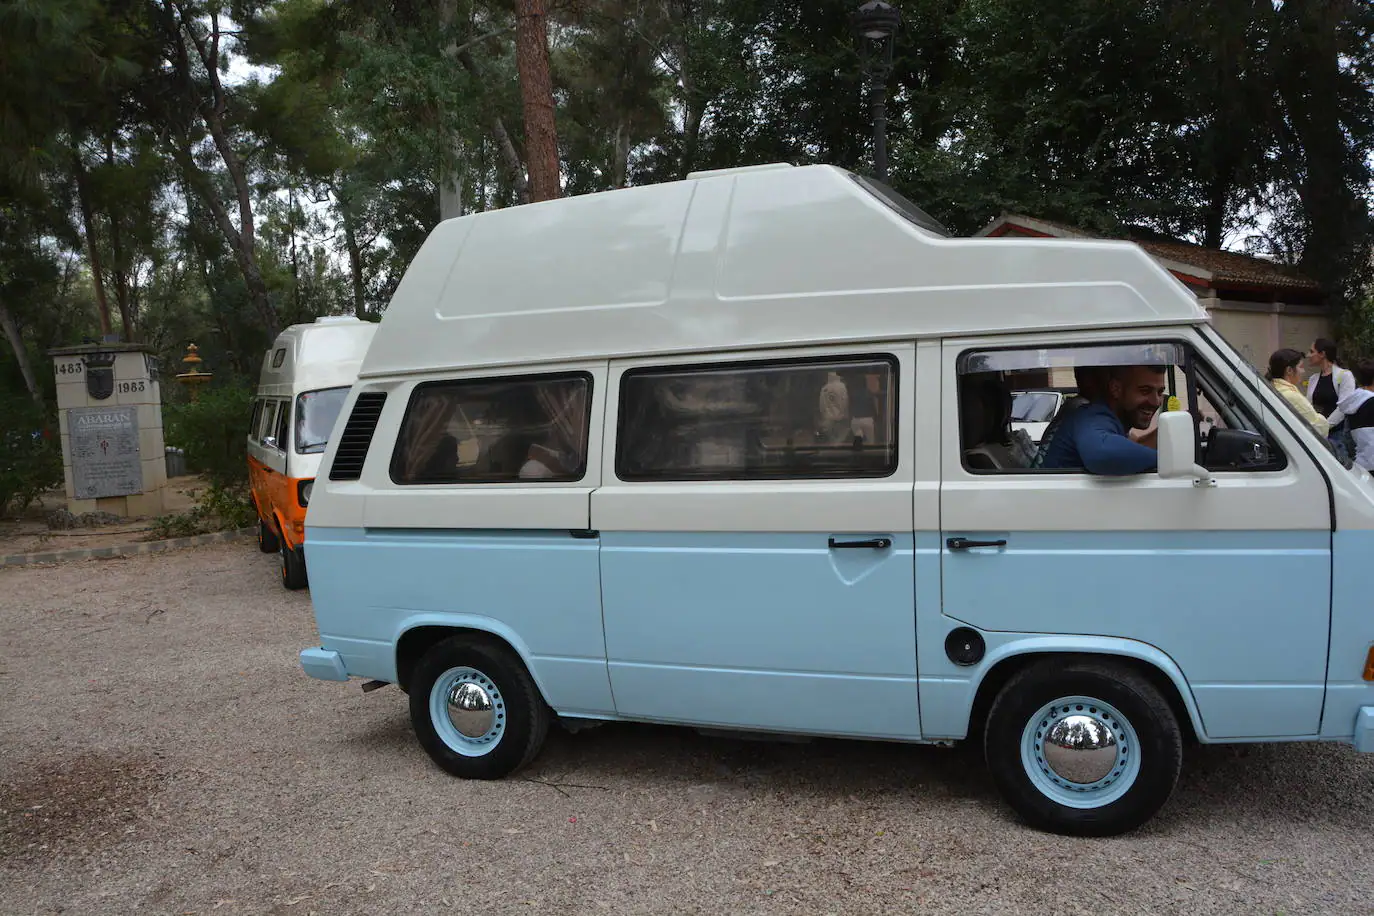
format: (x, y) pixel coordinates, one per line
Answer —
(1330, 382)
(1326, 388)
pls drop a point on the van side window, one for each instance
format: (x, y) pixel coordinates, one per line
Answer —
(283, 423)
(278, 358)
(257, 418)
(759, 421)
(269, 419)
(530, 428)
(1017, 408)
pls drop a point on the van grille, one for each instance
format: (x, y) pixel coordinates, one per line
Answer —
(357, 436)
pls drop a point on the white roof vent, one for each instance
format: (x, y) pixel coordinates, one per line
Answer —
(336, 319)
(716, 173)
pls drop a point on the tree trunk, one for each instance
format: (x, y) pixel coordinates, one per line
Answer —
(451, 182)
(621, 166)
(536, 91)
(355, 257)
(1310, 84)
(211, 111)
(118, 267)
(83, 194)
(683, 15)
(243, 253)
(514, 167)
(1214, 216)
(21, 354)
(691, 136)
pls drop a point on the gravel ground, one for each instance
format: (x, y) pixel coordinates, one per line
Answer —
(163, 753)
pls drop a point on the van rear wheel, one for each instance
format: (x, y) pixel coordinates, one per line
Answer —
(1083, 748)
(267, 538)
(475, 709)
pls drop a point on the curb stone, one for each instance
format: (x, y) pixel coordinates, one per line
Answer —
(125, 550)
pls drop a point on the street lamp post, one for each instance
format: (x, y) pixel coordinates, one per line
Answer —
(875, 27)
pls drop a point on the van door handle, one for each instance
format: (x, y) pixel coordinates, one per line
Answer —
(965, 543)
(870, 544)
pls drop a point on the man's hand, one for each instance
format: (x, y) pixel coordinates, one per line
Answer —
(1149, 436)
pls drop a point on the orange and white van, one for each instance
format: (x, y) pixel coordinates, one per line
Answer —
(305, 380)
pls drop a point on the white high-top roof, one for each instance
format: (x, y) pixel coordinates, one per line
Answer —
(759, 257)
(325, 354)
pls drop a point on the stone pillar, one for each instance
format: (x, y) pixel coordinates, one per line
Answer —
(109, 409)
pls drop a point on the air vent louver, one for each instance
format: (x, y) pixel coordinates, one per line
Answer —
(357, 436)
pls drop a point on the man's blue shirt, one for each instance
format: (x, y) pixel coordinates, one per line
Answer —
(1093, 438)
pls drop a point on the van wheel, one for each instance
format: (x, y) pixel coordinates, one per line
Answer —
(267, 538)
(475, 709)
(292, 567)
(1083, 748)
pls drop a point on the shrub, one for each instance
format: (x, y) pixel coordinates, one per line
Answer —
(30, 453)
(213, 431)
(220, 508)
(231, 507)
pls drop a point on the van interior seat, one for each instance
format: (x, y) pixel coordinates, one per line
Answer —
(985, 424)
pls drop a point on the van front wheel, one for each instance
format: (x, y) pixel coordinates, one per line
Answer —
(475, 710)
(1084, 748)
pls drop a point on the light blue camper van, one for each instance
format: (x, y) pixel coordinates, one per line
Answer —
(735, 452)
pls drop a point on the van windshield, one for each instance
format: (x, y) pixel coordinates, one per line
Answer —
(1034, 406)
(316, 412)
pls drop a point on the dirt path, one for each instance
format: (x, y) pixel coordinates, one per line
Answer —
(163, 753)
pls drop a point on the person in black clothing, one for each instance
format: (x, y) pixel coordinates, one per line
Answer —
(1326, 388)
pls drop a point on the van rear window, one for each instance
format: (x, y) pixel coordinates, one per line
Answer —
(759, 421)
(513, 430)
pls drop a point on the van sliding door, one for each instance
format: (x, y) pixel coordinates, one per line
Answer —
(755, 517)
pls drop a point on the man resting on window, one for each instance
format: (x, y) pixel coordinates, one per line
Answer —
(1095, 438)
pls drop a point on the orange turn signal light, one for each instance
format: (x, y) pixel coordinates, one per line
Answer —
(1369, 665)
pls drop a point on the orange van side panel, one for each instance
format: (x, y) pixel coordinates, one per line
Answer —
(274, 495)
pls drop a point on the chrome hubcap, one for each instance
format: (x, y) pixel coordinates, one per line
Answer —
(1080, 752)
(1080, 749)
(470, 709)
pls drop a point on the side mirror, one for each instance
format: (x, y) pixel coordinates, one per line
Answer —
(269, 441)
(1177, 446)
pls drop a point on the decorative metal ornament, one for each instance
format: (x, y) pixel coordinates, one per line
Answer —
(99, 375)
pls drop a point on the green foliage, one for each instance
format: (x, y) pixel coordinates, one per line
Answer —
(1356, 332)
(213, 430)
(180, 525)
(231, 506)
(30, 453)
(225, 206)
(220, 508)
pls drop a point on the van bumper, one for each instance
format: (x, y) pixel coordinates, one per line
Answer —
(1364, 729)
(327, 665)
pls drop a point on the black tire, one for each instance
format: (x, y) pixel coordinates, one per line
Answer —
(292, 568)
(517, 704)
(1136, 700)
(267, 538)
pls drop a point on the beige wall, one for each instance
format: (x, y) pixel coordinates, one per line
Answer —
(1298, 331)
(1256, 334)
(1251, 333)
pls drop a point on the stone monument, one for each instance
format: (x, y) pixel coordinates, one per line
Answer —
(109, 407)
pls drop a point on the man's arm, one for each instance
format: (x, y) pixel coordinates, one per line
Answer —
(1105, 450)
